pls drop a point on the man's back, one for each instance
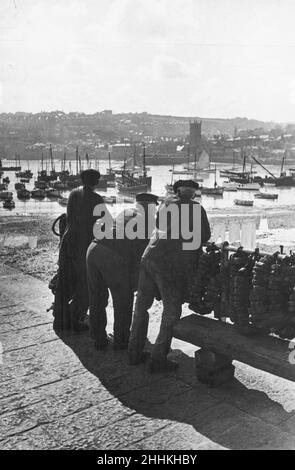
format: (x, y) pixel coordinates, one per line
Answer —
(166, 244)
(80, 219)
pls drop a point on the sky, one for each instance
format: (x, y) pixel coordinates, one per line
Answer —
(208, 58)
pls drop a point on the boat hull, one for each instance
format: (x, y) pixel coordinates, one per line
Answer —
(240, 202)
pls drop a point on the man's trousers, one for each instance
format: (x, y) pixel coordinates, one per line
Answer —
(106, 269)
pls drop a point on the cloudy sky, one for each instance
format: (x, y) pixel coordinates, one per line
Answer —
(211, 58)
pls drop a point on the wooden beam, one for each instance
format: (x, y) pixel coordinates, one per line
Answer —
(262, 352)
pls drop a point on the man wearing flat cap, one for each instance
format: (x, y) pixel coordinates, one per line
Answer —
(71, 299)
(113, 264)
(167, 268)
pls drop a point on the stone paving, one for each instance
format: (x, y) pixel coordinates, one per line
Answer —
(60, 393)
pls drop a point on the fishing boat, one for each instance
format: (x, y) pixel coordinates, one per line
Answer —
(19, 186)
(8, 204)
(17, 167)
(23, 193)
(110, 173)
(282, 180)
(230, 186)
(62, 186)
(271, 196)
(24, 174)
(218, 191)
(6, 195)
(203, 163)
(135, 172)
(249, 187)
(41, 185)
(269, 183)
(38, 193)
(52, 193)
(131, 187)
(45, 174)
(215, 191)
(235, 172)
(190, 171)
(243, 202)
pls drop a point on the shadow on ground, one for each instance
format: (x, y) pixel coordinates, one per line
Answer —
(231, 416)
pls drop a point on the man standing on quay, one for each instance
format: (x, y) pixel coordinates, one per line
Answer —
(71, 297)
(113, 264)
(167, 268)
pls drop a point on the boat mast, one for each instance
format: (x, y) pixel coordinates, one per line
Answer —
(64, 164)
(188, 157)
(80, 163)
(110, 166)
(195, 165)
(77, 159)
(244, 160)
(282, 164)
(51, 158)
(172, 174)
(42, 162)
(144, 168)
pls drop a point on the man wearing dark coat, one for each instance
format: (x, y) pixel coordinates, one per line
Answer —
(71, 298)
(113, 264)
(167, 268)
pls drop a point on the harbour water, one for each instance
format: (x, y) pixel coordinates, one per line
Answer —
(161, 175)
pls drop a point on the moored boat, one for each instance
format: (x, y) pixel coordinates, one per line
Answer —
(8, 204)
(19, 186)
(52, 193)
(59, 185)
(41, 185)
(24, 174)
(266, 196)
(230, 186)
(249, 187)
(6, 195)
(243, 202)
(38, 193)
(23, 193)
(217, 191)
(131, 188)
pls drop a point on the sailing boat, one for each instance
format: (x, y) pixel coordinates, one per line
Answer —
(189, 171)
(241, 176)
(250, 185)
(203, 165)
(142, 175)
(169, 186)
(216, 191)
(233, 169)
(127, 183)
(134, 177)
(110, 174)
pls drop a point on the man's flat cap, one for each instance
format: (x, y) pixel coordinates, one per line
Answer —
(90, 177)
(147, 197)
(185, 184)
